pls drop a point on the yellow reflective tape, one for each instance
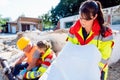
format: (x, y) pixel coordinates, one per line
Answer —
(90, 34)
(32, 74)
(80, 33)
(101, 66)
(46, 54)
(29, 75)
(73, 40)
(41, 70)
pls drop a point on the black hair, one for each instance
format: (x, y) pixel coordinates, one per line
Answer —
(91, 8)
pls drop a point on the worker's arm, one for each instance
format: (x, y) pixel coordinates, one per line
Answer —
(33, 64)
(20, 60)
(106, 49)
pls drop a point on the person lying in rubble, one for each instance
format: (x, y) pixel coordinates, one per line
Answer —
(29, 59)
(46, 58)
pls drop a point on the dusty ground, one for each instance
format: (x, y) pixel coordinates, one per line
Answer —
(9, 51)
(114, 71)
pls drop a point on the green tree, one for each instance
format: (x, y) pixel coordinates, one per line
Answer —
(2, 22)
(109, 3)
(47, 23)
(71, 7)
(64, 9)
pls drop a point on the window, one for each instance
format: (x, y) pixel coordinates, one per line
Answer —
(68, 24)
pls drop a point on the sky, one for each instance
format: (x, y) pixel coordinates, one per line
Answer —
(30, 8)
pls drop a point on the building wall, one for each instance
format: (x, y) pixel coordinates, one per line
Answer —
(12, 28)
(111, 16)
(63, 21)
(31, 21)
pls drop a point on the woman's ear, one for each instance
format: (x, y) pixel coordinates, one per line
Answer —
(95, 16)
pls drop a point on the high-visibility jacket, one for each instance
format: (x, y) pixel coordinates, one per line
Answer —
(46, 60)
(31, 53)
(104, 44)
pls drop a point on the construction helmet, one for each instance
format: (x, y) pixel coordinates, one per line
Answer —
(22, 43)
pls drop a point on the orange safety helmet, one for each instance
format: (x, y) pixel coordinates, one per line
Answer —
(22, 43)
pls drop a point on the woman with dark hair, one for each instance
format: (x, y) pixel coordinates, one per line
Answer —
(90, 29)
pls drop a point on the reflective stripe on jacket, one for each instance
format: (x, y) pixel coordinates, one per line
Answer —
(104, 44)
(47, 59)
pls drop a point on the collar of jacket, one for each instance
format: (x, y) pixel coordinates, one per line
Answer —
(77, 26)
(46, 54)
(95, 27)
